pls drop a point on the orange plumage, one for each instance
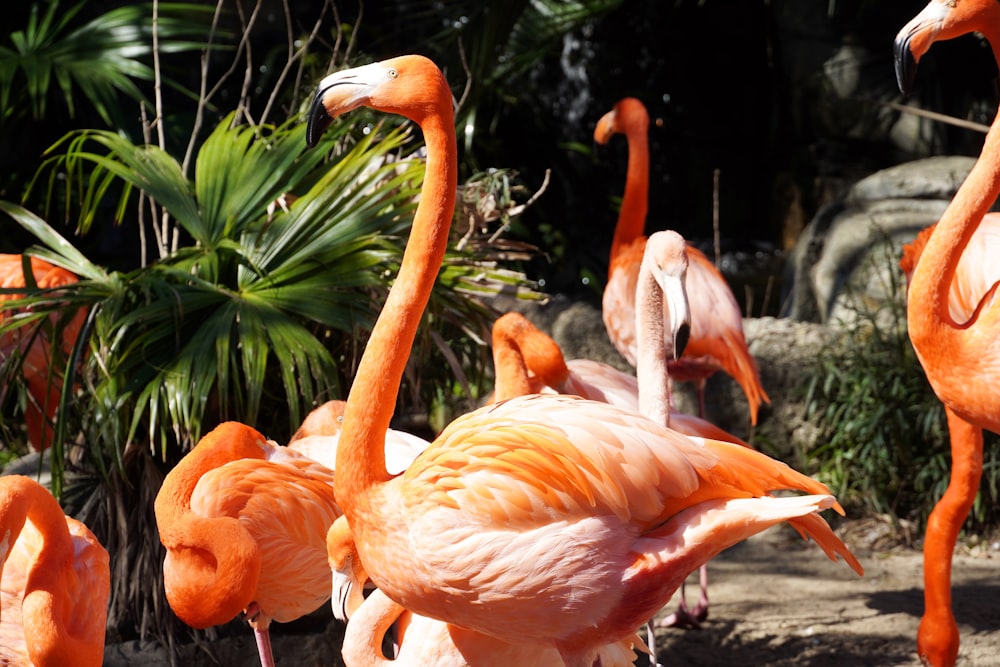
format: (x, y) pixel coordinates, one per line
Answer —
(953, 317)
(54, 581)
(35, 348)
(550, 520)
(244, 523)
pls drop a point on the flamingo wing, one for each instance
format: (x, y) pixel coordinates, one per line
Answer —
(526, 500)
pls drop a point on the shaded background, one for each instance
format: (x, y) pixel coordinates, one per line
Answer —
(786, 98)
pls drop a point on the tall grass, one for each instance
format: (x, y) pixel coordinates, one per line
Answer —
(884, 445)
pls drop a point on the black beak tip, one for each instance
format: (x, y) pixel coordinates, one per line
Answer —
(319, 120)
(906, 66)
(681, 340)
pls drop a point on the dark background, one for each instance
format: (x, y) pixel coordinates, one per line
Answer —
(733, 85)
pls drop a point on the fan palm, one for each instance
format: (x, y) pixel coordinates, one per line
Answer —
(255, 314)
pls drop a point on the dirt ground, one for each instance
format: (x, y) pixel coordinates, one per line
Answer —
(776, 601)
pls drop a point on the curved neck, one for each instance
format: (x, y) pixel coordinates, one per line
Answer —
(929, 316)
(51, 574)
(220, 548)
(363, 638)
(519, 348)
(651, 350)
(372, 399)
(635, 202)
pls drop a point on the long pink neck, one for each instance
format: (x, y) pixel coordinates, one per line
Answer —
(370, 405)
(635, 202)
(369, 624)
(651, 357)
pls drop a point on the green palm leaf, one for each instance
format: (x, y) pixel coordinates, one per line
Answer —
(99, 59)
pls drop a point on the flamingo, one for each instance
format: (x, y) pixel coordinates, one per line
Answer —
(545, 519)
(54, 581)
(717, 341)
(955, 336)
(44, 387)
(244, 522)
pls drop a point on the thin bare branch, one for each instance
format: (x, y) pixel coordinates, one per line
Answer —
(203, 95)
(940, 117)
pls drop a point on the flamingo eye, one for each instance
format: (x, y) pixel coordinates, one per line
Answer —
(392, 73)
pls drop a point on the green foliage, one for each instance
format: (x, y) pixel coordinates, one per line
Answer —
(259, 307)
(100, 59)
(884, 438)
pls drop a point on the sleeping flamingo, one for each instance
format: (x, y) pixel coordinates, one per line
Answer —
(954, 329)
(717, 341)
(54, 581)
(244, 522)
(545, 519)
(44, 386)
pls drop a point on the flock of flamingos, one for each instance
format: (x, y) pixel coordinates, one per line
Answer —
(551, 525)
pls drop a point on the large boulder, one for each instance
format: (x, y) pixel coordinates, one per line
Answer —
(848, 254)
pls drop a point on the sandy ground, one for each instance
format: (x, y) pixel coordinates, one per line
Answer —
(778, 601)
(775, 601)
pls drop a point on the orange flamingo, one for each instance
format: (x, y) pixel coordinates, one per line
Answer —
(957, 347)
(550, 520)
(244, 522)
(54, 581)
(421, 640)
(717, 341)
(44, 387)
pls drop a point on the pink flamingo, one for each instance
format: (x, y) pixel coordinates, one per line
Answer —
(421, 640)
(244, 522)
(716, 341)
(549, 520)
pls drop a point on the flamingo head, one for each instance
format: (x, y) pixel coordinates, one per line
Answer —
(667, 251)
(939, 20)
(629, 116)
(349, 576)
(411, 86)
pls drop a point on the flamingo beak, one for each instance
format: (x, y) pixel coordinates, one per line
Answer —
(914, 40)
(344, 597)
(341, 92)
(675, 299)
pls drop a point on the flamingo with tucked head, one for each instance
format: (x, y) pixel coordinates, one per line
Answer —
(549, 520)
(54, 581)
(244, 522)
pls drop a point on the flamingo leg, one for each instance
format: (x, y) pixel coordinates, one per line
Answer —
(938, 636)
(260, 624)
(685, 617)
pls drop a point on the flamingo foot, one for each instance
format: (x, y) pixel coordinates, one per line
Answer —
(260, 624)
(689, 619)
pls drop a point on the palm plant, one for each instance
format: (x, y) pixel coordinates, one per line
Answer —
(268, 266)
(63, 68)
